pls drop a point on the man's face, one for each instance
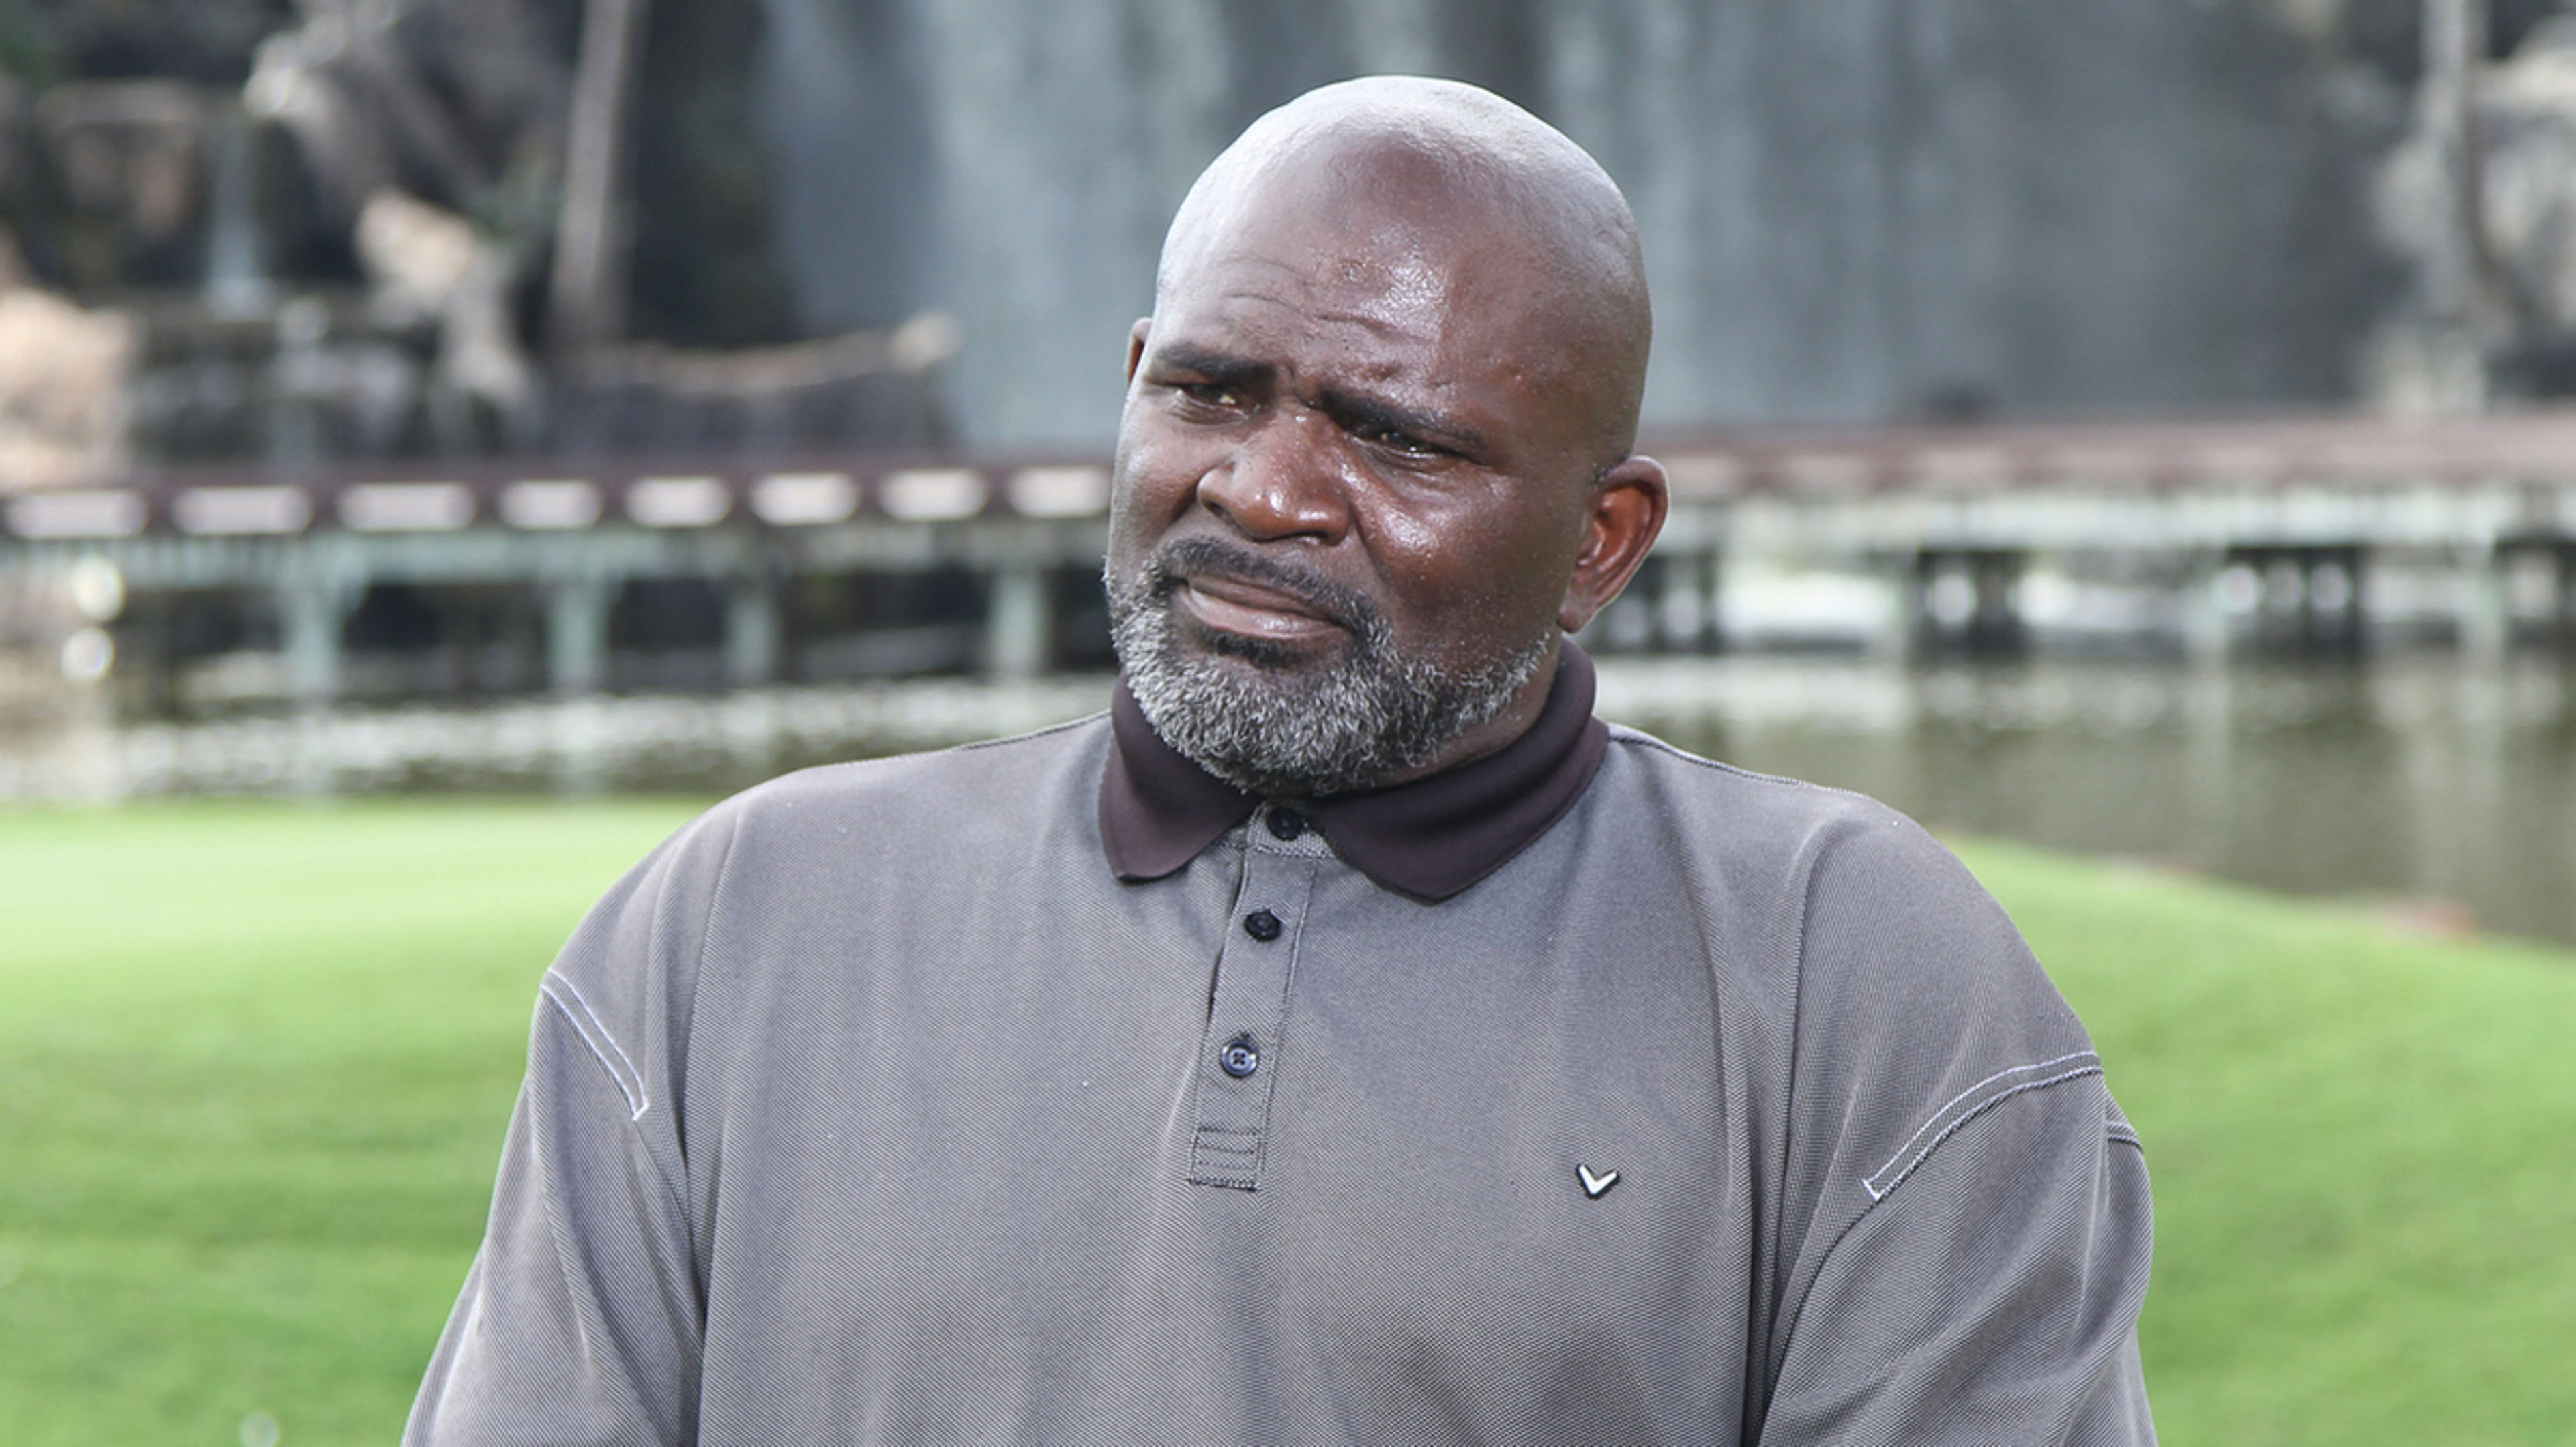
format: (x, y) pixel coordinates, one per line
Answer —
(1351, 485)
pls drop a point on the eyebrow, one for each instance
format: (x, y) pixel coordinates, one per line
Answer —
(1349, 408)
(1216, 366)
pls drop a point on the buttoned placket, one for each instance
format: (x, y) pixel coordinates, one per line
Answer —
(1244, 1047)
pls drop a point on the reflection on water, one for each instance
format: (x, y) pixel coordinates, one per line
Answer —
(2419, 780)
(707, 745)
(2413, 779)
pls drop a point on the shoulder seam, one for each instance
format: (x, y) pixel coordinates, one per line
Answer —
(881, 761)
(1622, 734)
(715, 900)
(1056, 728)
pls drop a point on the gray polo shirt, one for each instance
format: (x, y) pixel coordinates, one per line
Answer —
(918, 1101)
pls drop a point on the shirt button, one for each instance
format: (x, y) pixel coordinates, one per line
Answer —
(1262, 925)
(1287, 823)
(1238, 1057)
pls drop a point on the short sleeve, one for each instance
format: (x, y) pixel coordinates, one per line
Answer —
(579, 1321)
(582, 1319)
(1966, 1222)
(1990, 1296)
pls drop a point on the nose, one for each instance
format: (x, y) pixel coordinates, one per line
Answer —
(1284, 480)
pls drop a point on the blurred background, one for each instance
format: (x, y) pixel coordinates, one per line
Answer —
(2135, 426)
(2142, 429)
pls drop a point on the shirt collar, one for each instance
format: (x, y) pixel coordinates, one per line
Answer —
(1430, 838)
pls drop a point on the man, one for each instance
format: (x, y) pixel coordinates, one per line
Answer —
(1348, 1038)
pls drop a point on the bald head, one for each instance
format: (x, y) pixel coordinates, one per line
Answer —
(1424, 173)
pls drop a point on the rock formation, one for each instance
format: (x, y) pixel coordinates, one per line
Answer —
(2492, 313)
(63, 386)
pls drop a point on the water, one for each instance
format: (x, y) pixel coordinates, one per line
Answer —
(705, 744)
(2442, 789)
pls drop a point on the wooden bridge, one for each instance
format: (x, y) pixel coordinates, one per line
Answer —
(2204, 537)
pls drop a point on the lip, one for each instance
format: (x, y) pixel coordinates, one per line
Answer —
(1230, 605)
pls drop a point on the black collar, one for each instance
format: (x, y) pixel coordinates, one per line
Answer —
(1429, 838)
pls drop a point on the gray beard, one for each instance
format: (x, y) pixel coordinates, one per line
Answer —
(1288, 733)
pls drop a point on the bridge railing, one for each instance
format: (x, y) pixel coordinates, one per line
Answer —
(1931, 530)
(560, 495)
(556, 496)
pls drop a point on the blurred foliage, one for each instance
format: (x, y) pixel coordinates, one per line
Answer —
(206, 41)
(27, 49)
(705, 264)
(2389, 34)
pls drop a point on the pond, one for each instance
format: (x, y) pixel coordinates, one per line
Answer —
(2443, 790)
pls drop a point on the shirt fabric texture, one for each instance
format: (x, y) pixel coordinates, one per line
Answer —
(880, 1105)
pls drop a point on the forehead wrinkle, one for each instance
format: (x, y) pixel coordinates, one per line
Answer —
(1411, 280)
(1401, 250)
(1305, 315)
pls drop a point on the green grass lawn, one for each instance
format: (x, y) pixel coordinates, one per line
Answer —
(254, 1062)
(2364, 1150)
(255, 1059)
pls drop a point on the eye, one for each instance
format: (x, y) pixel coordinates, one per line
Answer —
(1402, 444)
(1207, 394)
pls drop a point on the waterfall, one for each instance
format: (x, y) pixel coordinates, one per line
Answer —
(848, 121)
(237, 282)
(1853, 210)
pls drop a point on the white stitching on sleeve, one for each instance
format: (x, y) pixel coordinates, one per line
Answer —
(567, 999)
(1967, 1105)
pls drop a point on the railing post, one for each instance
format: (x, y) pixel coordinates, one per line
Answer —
(2486, 619)
(1901, 637)
(2205, 627)
(577, 633)
(1019, 624)
(312, 612)
(751, 633)
(1686, 602)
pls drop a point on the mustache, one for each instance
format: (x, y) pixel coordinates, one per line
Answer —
(1175, 562)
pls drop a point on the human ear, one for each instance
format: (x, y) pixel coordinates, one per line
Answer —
(1136, 344)
(1625, 512)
